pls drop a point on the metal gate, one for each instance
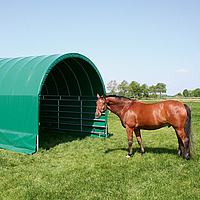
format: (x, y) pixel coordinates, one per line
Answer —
(71, 114)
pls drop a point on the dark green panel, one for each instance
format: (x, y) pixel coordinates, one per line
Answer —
(94, 78)
(78, 68)
(73, 83)
(51, 86)
(18, 123)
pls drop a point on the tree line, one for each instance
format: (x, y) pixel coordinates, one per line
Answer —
(135, 89)
(190, 93)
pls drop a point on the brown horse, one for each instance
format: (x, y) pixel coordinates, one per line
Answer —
(135, 115)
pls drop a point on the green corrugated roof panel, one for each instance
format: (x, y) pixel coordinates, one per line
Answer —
(24, 79)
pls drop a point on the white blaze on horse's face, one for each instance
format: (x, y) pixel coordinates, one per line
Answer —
(101, 107)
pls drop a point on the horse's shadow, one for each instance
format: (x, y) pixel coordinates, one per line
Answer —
(155, 150)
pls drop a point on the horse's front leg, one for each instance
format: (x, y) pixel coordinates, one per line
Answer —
(139, 139)
(130, 141)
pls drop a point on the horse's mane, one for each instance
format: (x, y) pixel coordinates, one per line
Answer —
(120, 97)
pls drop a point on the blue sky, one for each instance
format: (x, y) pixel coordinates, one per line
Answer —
(148, 41)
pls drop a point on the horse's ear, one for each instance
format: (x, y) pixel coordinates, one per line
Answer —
(104, 96)
(98, 96)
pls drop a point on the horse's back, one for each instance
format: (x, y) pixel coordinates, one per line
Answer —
(160, 114)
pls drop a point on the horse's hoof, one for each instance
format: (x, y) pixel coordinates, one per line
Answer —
(128, 156)
(179, 153)
(142, 153)
(187, 156)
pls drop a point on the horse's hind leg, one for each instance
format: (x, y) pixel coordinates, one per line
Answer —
(183, 141)
(139, 139)
(180, 146)
(130, 141)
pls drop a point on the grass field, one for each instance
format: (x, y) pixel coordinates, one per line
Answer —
(68, 167)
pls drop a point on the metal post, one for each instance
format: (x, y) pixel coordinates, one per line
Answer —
(81, 115)
(59, 112)
(37, 143)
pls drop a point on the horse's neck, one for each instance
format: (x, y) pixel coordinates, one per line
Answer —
(115, 105)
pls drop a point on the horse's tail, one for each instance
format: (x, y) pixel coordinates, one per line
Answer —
(188, 129)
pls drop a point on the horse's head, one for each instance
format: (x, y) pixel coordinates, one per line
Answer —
(101, 105)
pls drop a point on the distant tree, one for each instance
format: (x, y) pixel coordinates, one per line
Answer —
(186, 93)
(191, 93)
(161, 88)
(123, 88)
(178, 95)
(112, 86)
(152, 90)
(197, 92)
(144, 90)
(134, 88)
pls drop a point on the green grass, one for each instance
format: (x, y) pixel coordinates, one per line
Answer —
(69, 167)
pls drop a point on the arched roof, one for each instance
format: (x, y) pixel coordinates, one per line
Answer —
(74, 73)
(24, 79)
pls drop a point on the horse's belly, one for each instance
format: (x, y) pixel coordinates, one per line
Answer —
(152, 126)
(151, 121)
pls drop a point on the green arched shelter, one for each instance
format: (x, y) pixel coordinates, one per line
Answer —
(54, 92)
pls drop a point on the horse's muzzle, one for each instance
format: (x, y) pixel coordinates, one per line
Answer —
(97, 114)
